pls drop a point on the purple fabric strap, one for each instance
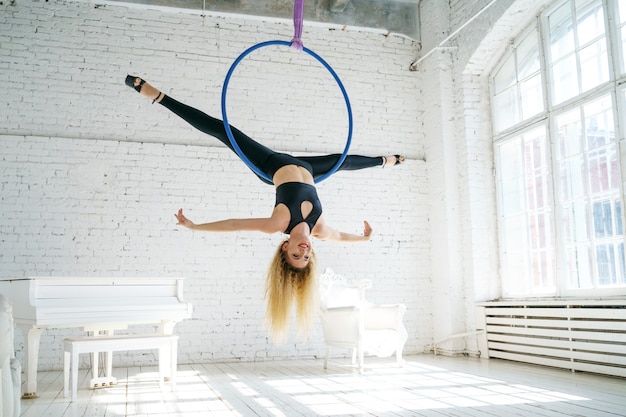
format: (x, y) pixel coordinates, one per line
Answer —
(298, 17)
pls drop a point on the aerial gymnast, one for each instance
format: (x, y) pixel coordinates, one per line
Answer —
(297, 211)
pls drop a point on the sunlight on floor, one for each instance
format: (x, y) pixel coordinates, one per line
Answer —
(381, 389)
(413, 387)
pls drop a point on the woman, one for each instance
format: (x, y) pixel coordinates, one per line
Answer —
(297, 212)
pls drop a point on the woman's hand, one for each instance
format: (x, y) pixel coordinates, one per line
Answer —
(328, 233)
(183, 221)
(367, 230)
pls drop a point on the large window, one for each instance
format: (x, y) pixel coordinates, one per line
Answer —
(556, 99)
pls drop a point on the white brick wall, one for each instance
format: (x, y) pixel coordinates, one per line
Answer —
(91, 173)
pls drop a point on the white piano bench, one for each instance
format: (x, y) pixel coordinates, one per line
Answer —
(74, 346)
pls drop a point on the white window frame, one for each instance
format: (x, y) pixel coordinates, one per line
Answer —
(616, 86)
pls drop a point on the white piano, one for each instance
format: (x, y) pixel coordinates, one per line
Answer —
(98, 305)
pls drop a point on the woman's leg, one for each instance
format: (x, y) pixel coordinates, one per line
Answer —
(322, 164)
(254, 151)
(215, 127)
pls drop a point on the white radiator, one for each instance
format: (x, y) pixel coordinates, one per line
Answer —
(581, 335)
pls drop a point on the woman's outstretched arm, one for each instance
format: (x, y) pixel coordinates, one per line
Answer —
(266, 225)
(328, 233)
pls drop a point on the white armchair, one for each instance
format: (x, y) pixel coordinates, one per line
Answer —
(349, 321)
(10, 369)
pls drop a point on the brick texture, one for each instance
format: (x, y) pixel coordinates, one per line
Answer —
(91, 173)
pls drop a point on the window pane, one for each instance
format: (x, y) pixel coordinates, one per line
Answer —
(621, 262)
(602, 219)
(605, 260)
(589, 20)
(506, 76)
(575, 222)
(527, 54)
(506, 113)
(515, 230)
(579, 266)
(537, 172)
(599, 124)
(565, 79)
(570, 134)
(600, 143)
(561, 31)
(618, 215)
(573, 179)
(623, 34)
(621, 5)
(511, 153)
(600, 176)
(622, 10)
(515, 256)
(531, 93)
(594, 65)
(511, 196)
(515, 265)
(543, 271)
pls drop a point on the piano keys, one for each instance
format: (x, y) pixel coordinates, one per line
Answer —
(93, 304)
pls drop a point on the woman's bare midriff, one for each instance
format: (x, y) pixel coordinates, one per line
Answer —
(292, 173)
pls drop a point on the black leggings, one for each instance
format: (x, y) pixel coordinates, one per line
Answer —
(262, 157)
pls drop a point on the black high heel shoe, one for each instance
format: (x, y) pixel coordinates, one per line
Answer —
(130, 81)
(399, 160)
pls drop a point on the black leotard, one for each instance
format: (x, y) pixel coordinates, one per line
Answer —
(292, 195)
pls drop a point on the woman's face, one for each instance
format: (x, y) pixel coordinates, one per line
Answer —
(298, 252)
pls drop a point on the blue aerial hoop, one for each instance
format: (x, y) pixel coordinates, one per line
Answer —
(229, 130)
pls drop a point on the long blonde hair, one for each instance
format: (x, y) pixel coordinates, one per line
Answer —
(285, 284)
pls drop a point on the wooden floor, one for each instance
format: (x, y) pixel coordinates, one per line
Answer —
(427, 385)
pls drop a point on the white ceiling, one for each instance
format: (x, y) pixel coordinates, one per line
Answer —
(399, 16)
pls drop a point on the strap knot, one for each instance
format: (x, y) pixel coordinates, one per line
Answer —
(297, 44)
